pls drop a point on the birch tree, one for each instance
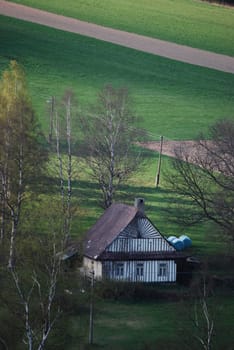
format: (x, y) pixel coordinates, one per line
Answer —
(109, 136)
(22, 158)
(31, 291)
(21, 153)
(63, 120)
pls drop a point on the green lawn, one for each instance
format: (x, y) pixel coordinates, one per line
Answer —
(189, 22)
(159, 324)
(132, 325)
(156, 323)
(173, 99)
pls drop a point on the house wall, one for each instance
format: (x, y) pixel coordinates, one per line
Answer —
(140, 227)
(140, 236)
(90, 265)
(140, 245)
(140, 271)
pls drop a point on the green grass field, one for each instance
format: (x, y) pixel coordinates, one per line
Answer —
(158, 324)
(189, 22)
(173, 99)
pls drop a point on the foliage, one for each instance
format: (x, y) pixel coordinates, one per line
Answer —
(156, 84)
(21, 154)
(129, 292)
(222, 2)
(31, 276)
(34, 269)
(19, 128)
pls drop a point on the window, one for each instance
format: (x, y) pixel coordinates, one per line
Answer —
(119, 269)
(140, 269)
(162, 269)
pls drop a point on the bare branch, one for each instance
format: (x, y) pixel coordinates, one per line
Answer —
(209, 184)
(109, 138)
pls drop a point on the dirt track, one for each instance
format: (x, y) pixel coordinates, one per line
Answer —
(189, 149)
(134, 41)
(169, 147)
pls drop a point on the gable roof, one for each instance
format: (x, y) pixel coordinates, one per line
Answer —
(107, 228)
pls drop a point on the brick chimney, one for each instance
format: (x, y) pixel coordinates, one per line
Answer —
(140, 204)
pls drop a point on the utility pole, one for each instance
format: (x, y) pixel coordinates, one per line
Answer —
(91, 308)
(52, 102)
(157, 178)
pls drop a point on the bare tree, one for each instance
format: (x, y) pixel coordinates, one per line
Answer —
(36, 333)
(62, 126)
(109, 136)
(30, 291)
(203, 319)
(51, 112)
(205, 178)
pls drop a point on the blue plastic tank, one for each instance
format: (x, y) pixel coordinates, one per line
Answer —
(186, 240)
(170, 238)
(177, 244)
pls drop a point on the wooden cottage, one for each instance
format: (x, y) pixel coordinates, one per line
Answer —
(124, 245)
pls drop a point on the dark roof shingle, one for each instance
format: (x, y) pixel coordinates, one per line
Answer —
(107, 228)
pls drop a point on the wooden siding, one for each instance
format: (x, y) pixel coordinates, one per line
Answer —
(140, 271)
(139, 253)
(140, 245)
(140, 227)
(147, 229)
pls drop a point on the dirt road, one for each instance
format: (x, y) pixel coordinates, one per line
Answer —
(154, 46)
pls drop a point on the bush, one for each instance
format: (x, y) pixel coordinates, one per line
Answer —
(138, 291)
(222, 2)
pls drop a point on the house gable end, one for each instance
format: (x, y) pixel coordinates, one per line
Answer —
(140, 227)
(140, 235)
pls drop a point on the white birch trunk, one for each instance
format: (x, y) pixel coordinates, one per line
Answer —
(69, 168)
(15, 211)
(205, 340)
(57, 135)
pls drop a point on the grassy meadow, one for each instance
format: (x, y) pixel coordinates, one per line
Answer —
(146, 327)
(188, 22)
(170, 98)
(173, 99)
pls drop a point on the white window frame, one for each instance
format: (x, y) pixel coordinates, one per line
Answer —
(162, 269)
(139, 269)
(119, 269)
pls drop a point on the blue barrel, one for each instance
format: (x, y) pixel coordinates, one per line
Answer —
(186, 240)
(177, 244)
(170, 239)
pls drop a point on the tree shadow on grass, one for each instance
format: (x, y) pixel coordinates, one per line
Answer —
(157, 202)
